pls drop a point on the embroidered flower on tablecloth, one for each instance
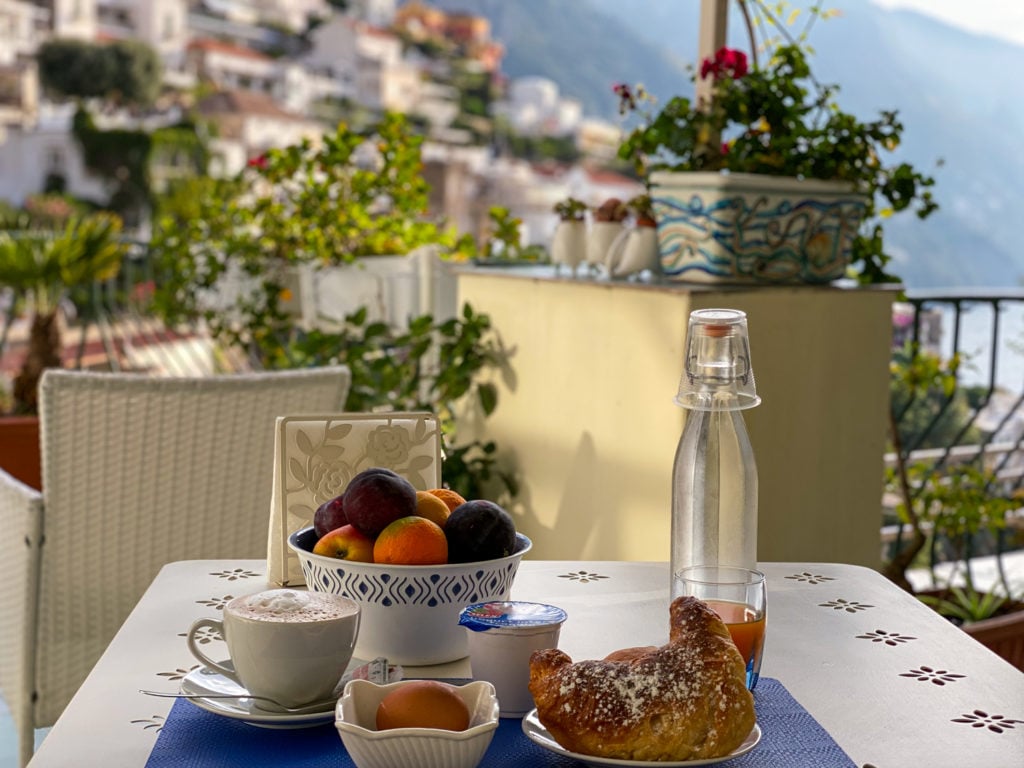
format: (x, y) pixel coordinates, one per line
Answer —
(217, 603)
(889, 638)
(178, 674)
(583, 577)
(810, 578)
(235, 574)
(981, 719)
(388, 446)
(850, 606)
(937, 676)
(156, 721)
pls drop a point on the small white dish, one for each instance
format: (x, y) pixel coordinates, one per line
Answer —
(414, 747)
(539, 735)
(204, 680)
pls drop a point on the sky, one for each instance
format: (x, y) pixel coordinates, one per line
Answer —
(999, 18)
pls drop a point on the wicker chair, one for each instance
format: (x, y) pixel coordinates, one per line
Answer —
(137, 472)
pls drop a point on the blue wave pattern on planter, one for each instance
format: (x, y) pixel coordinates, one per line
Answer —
(760, 237)
(426, 589)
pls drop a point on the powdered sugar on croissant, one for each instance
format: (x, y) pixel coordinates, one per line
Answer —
(686, 700)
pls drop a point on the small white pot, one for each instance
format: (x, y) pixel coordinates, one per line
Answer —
(569, 246)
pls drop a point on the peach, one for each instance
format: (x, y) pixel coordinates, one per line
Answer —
(345, 543)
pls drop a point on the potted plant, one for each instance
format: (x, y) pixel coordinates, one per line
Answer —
(636, 250)
(569, 244)
(504, 243)
(768, 179)
(42, 268)
(945, 509)
(307, 234)
(609, 222)
(240, 255)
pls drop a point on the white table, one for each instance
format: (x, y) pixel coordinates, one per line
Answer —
(895, 685)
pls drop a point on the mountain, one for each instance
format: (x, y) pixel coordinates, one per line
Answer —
(959, 95)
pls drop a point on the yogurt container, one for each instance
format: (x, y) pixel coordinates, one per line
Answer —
(502, 635)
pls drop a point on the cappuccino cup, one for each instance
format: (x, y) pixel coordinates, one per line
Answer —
(288, 645)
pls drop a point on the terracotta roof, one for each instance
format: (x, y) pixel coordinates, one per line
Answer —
(245, 103)
(218, 46)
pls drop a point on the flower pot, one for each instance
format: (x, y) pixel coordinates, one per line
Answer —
(392, 288)
(599, 241)
(748, 228)
(569, 245)
(634, 251)
(1003, 635)
(19, 449)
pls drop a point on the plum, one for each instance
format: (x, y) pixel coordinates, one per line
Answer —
(377, 497)
(479, 530)
(329, 515)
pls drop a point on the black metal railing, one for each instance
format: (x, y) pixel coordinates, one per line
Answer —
(958, 399)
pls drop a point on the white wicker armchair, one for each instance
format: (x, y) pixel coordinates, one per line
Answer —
(137, 472)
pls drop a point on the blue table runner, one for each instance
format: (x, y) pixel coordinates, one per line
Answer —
(194, 738)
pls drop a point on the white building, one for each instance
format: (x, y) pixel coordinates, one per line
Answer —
(248, 124)
(367, 64)
(29, 156)
(536, 107)
(160, 24)
(22, 27)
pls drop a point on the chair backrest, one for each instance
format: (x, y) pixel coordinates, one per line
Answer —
(139, 472)
(21, 520)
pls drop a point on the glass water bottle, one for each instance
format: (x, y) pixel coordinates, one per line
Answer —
(714, 477)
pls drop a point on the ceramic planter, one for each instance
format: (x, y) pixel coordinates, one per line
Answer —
(748, 228)
(599, 241)
(634, 251)
(1003, 635)
(19, 449)
(392, 288)
(569, 245)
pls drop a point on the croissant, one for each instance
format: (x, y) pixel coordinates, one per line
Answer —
(686, 700)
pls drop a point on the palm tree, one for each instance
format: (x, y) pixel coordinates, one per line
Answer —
(43, 267)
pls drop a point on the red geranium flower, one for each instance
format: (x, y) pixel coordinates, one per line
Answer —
(726, 62)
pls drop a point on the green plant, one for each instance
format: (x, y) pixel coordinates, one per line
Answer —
(779, 120)
(401, 369)
(965, 604)
(570, 209)
(642, 209)
(945, 505)
(44, 266)
(356, 194)
(353, 195)
(505, 239)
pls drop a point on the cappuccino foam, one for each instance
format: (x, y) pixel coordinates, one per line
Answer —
(292, 606)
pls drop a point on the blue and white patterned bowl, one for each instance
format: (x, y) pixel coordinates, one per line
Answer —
(410, 613)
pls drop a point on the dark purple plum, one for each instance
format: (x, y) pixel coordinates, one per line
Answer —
(479, 530)
(377, 497)
(329, 515)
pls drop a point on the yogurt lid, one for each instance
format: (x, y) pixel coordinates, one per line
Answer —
(510, 614)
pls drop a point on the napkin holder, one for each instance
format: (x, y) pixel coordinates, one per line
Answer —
(315, 458)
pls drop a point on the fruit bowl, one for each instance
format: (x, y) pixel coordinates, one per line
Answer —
(355, 718)
(410, 613)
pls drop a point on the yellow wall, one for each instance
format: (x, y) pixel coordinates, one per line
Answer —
(585, 414)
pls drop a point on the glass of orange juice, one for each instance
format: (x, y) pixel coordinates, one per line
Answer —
(739, 596)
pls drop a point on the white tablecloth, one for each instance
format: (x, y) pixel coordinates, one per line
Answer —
(894, 684)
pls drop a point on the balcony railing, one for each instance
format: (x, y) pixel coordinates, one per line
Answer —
(972, 413)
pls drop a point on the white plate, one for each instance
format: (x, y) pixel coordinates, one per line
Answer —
(539, 735)
(206, 681)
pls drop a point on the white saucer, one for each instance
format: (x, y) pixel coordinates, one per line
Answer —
(539, 735)
(208, 681)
